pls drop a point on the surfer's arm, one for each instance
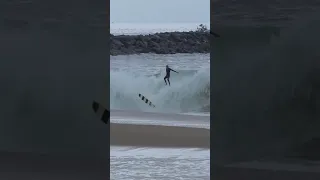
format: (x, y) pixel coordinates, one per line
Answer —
(173, 70)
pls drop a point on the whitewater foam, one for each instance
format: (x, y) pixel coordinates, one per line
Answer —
(189, 90)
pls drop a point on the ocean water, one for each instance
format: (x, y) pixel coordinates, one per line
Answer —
(185, 103)
(134, 74)
(161, 163)
(170, 141)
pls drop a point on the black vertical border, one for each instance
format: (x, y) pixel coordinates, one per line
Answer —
(108, 81)
(211, 85)
(216, 142)
(38, 140)
(217, 169)
(108, 78)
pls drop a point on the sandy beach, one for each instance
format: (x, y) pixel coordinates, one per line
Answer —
(159, 130)
(160, 143)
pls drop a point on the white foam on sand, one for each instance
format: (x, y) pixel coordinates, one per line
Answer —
(159, 163)
(147, 145)
(160, 119)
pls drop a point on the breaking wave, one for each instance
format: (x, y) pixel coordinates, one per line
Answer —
(189, 91)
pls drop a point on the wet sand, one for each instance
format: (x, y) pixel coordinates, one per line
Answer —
(158, 136)
(159, 130)
(146, 145)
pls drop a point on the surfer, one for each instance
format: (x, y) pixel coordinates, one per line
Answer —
(168, 74)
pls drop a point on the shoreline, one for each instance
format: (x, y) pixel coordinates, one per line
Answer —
(161, 43)
(150, 129)
(138, 135)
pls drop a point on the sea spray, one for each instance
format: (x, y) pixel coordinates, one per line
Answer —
(189, 90)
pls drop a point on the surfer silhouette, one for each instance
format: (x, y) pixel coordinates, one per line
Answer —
(167, 77)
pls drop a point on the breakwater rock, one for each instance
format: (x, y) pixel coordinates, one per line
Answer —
(161, 43)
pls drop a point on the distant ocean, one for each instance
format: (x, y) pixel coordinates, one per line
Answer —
(151, 28)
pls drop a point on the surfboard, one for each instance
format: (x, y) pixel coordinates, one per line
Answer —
(102, 112)
(147, 101)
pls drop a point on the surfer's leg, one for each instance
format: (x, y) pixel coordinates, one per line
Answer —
(168, 81)
(165, 79)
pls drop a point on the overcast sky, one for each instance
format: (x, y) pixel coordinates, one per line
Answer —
(159, 11)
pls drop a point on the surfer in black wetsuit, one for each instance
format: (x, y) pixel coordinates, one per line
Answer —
(168, 74)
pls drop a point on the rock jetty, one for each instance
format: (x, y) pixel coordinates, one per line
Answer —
(161, 43)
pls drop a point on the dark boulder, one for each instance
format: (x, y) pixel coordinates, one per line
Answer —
(161, 43)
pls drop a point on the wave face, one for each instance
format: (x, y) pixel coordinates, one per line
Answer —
(189, 90)
(266, 97)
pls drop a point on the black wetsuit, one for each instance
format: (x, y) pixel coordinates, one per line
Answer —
(168, 75)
